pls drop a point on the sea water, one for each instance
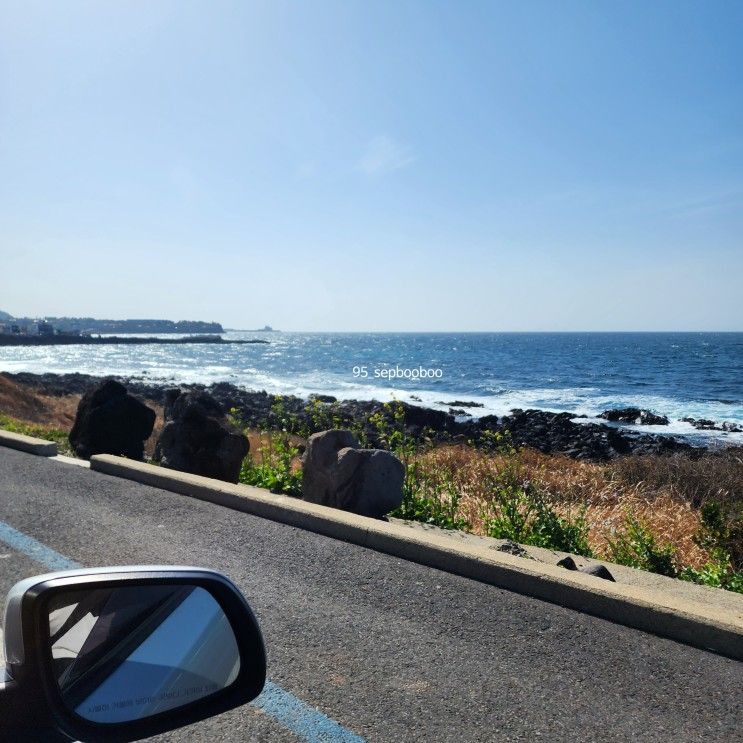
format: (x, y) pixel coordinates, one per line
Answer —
(679, 375)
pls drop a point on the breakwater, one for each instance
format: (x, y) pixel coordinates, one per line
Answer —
(112, 340)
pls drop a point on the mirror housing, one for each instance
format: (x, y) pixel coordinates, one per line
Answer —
(32, 680)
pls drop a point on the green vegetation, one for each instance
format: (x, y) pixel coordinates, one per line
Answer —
(719, 532)
(524, 515)
(638, 547)
(273, 469)
(515, 510)
(533, 499)
(38, 431)
(520, 510)
(273, 464)
(430, 499)
(323, 417)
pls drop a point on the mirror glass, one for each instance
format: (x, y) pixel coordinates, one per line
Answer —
(130, 652)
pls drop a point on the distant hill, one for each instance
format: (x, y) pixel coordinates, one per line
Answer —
(134, 326)
(92, 325)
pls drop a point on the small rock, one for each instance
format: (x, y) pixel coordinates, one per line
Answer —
(462, 404)
(512, 548)
(568, 563)
(619, 442)
(600, 571)
(323, 398)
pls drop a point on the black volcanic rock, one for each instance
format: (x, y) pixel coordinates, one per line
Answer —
(111, 421)
(598, 570)
(198, 438)
(619, 442)
(703, 424)
(323, 398)
(542, 430)
(461, 404)
(553, 433)
(634, 415)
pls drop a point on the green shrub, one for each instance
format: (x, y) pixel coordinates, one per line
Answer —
(275, 472)
(516, 510)
(498, 441)
(429, 500)
(38, 431)
(636, 546)
(716, 573)
(566, 534)
(391, 434)
(523, 514)
(716, 532)
(323, 417)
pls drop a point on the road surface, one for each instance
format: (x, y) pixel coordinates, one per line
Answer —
(390, 650)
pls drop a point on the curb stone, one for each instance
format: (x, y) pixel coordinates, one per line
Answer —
(40, 447)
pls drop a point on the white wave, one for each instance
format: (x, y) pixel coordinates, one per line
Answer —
(251, 367)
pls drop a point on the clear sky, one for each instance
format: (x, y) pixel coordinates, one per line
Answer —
(384, 165)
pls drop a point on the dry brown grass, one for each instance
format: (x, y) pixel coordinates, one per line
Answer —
(26, 404)
(715, 475)
(607, 491)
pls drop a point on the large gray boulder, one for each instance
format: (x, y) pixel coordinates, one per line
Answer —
(337, 473)
(110, 421)
(198, 438)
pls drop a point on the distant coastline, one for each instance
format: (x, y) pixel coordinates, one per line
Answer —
(64, 339)
(85, 325)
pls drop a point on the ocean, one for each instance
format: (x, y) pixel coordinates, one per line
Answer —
(679, 375)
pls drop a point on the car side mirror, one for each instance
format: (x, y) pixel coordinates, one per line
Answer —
(120, 654)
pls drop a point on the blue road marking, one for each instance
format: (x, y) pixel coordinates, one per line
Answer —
(21, 542)
(305, 721)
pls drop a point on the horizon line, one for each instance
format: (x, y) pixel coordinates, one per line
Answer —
(476, 332)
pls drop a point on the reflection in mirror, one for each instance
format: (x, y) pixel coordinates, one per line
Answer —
(126, 653)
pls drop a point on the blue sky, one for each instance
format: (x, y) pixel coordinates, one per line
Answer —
(374, 165)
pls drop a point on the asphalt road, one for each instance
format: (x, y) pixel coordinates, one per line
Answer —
(391, 650)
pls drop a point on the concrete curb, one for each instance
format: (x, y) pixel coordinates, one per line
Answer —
(20, 441)
(698, 624)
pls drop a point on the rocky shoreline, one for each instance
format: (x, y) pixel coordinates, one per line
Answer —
(547, 432)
